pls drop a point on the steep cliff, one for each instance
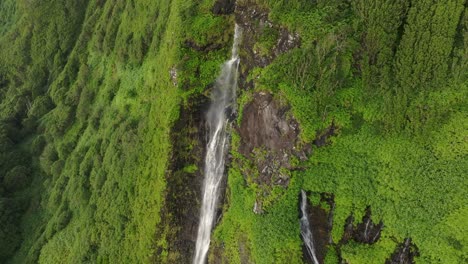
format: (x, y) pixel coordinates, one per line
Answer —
(362, 104)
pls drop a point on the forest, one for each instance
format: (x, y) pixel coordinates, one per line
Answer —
(102, 134)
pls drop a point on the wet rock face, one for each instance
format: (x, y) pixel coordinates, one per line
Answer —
(180, 213)
(404, 253)
(202, 48)
(268, 138)
(224, 7)
(264, 124)
(323, 137)
(254, 22)
(366, 232)
(321, 224)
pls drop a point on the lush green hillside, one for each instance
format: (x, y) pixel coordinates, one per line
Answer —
(87, 86)
(90, 91)
(392, 77)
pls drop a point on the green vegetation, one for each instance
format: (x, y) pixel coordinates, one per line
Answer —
(387, 74)
(89, 95)
(87, 106)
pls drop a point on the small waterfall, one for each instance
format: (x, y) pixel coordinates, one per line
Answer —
(305, 229)
(223, 101)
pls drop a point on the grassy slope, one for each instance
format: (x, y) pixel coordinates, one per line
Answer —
(96, 76)
(108, 132)
(119, 162)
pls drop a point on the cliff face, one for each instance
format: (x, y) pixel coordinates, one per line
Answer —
(269, 134)
(266, 127)
(298, 126)
(362, 104)
(262, 40)
(184, 178)
(264, 118)
(269, 141)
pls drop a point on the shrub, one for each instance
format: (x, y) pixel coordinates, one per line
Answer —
(9, 233)
(38, 145)
(16, 179)
(40, 106)
(49, 155)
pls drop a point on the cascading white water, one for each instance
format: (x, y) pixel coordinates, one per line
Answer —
(305, 229)
(223, 99)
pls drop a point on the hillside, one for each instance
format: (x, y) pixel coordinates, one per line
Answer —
(362, 104)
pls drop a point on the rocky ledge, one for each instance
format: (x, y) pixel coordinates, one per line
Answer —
(366, 232)
(404, 253)
(262, 40)
(268, 139)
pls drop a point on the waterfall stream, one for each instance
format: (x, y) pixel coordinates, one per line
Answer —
(223, 101)
(305, 229)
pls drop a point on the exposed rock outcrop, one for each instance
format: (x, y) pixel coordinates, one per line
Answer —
(202, 48)
(366, 232)
(268, 138)
(173, 74)
(404, 253)
(321, 224)
(255, 22)
(265, 124)
(323, 137)
(256, 25)
(180, 212)
(224, 7)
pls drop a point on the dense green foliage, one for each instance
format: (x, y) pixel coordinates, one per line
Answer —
(87, 104)
(86, 90)
(392, 77)
(88, 97)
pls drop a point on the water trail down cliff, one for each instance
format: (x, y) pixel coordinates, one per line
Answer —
(305, 229)
(223, 102)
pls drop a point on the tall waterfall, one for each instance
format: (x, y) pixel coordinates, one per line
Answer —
(305, 229)
(223, 100)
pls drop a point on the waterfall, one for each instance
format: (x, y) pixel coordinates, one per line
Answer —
(223, 101)
(305, 229)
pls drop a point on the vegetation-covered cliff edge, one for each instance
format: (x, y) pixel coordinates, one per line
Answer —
(362, 104)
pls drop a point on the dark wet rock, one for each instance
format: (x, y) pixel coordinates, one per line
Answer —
(321, 224)
(254, 22)
(231, 115)
(180, 212)
(268, 139)
(265, 124)
(366, 232)
(329, 198)
(202, 48)
(323, 137)
(404, 253)
(223, 7)
(348, 230)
